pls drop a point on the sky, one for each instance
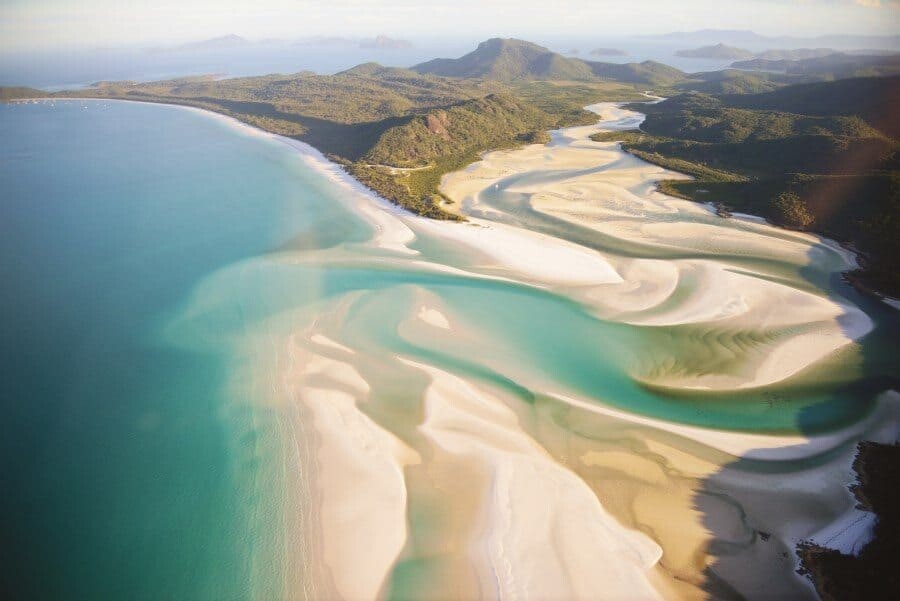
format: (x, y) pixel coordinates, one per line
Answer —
(41, 24)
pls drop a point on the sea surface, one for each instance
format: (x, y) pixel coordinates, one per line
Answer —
(158, 264)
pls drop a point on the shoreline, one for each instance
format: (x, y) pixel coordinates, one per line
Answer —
(525, 255)
(518, 252)
(391, 235)
(565, 182)
(334, 409)
(339, 174)
(848, 275)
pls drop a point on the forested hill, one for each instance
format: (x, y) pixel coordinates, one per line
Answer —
(821, 157)
(831, 66)
(397, 130)
(874, 99)
(17, 93)
(510, 60)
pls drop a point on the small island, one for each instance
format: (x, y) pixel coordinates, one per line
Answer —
(608, 52)
(718, 52)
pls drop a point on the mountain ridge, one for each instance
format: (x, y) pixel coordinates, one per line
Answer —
(513, 59)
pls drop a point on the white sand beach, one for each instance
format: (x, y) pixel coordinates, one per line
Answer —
(596, 185)
(567, 497)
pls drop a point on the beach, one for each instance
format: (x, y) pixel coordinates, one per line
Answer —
(648, 486)
(586, 390)
(659, 494)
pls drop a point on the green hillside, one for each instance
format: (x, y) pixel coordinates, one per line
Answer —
(649, 73)
(445, 140)
(375, 119)
(507, 60)
(834, 170)
(874, 99)
(731, 81)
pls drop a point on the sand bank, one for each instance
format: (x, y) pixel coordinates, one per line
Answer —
(542, 532)
(694, 268)
(610, 505)
(362, 502)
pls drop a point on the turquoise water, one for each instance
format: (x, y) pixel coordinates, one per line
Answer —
(115, 441)
(153, 262)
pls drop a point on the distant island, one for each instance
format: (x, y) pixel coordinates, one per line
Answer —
(741, 38)
(383, 42)
(225, 42)
(834, 66)
(718, 51)
(722, 51)
(608, 52)
(796, 65)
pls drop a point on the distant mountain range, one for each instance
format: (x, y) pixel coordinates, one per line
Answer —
(383, 42)
(608, 52)
(507, 60)
(724, 52)
(743, 38)
(837, 66)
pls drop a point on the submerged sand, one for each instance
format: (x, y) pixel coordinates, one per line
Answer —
(697, 269)
(631, 510)
(421, 483)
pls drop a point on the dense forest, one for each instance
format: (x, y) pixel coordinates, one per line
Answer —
(871, 574)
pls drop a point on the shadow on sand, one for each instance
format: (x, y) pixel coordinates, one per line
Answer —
(781, 502)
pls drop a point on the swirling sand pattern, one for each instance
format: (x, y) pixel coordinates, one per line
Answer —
(548, 402)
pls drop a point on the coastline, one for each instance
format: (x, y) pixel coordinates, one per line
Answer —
(517, 253)
(396, 238)
(394, 229)
(854, 276)
(391, 234)
(574, 182)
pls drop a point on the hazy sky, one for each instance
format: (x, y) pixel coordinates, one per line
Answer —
(52, 23)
